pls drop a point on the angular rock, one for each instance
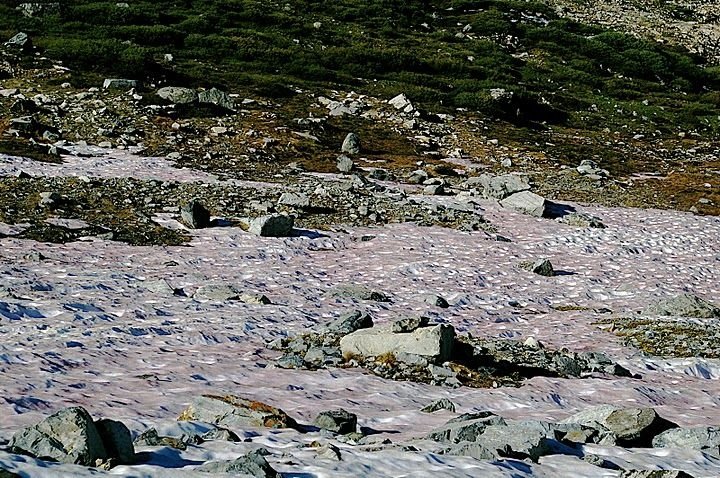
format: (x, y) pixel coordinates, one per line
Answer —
(516, 441)
(329, 451)
(345, 164)
(441, 404)
(351, 144)
(579, 219)
(195, 215)
(220, 434)
(631, 426)
(349, 322)
(541, 267)
(402, 103)
(178, 95)
(258, 299)
(684, 305)
(500, 187)
(217, 97)
(654, 474)
(525, 202)
(151, 437)
(253, 464)
(358, 292)
(299, 200)
(705, 439)
(20, 41)
(338, 421)
(467, 427)
(437, 301)
(67, 436)
(216, 292)
(434, 342)
(119, 84)
(273, 225)
(233, 411)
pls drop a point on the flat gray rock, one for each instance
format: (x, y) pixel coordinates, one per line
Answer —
(337, 421)
(525, 202)
(705, 439)
(435, 342)
(178, 95)
(253, 465)
(230, 411)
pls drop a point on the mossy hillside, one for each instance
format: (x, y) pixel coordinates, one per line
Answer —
(559, 72)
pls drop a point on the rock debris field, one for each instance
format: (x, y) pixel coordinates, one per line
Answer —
(237, 354)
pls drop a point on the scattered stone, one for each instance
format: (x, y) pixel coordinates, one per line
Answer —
(329, 451)
(257, 299)
(298, 200)
(178, 95)
(349, 322)
(218, 98)
(541, 267)
(525, 202)
(516, 441)
(441, 404)
(338, 421)
(119, 84)
(434, 342)
(234, 411)
(654, 474)
(437, 301)
(351, 144)
(418, 177)
(358, 292)
(578, 219)
(253, 464)
(273, 225)
(402, 103)
(684, 305)
(20, 41)
(592, 169)
(220, 434)
(195, 215)
(50, 199)
(216, 293)
(151, 437)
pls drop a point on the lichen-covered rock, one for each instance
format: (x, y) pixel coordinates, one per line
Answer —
(705, 439)
(273, 225)
(525, 202)
(230, 411)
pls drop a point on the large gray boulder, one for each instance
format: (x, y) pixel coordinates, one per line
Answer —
(178, 95)
(525, 202)
(434, 343)
(217, 97)
(67, 436)
(253, 464)
(630, 426)
(705, 439)
(230, 411)
(273, 225)
(684, 305)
